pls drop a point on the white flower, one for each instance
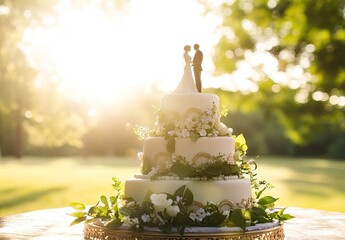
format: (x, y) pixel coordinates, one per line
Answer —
(222, 129)
(178, 199)
(130, 204)
(202, 132)
(160, 201)
(199, 215)
(226, 213)
(126, 221)
(185, 133)
(192, 216)
(140, 156)
(135, 221)
(171, 132)
(173, 210)
(121, 203)
(145, 217)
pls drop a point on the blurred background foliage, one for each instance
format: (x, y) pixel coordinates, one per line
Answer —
(296, 105)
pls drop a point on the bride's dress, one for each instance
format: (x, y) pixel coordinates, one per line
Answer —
(187, 84)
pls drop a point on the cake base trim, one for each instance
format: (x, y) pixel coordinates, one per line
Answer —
(95, 232)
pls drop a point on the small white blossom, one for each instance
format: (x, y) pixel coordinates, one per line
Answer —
(178, 199)
(202, 132)
(130, 204)
(146, 218)
(135, 221)
(185, 133)
(192, 216)
(126, 221)
(171, 132)
(140, 156)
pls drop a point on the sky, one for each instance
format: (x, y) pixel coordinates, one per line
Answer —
(102, 57)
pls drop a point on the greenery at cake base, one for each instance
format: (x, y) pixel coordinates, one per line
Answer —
(179, 210)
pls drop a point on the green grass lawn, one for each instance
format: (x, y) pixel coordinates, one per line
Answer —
(36, 183)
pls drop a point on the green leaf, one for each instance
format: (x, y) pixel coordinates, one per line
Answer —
(93, 211)
(225, 169)
(212, 171)
(186, 194)
(240, 140)
(113, 200)
(78, 220)
(182, 170)
(267, 201)
(259, 214)
(114, 224)
(165, 228)
(117, 185)
(78, 214)
(235, 170)
(125, 211)
(216, 219)
(285, 217)
(258, 194)
(77, 205)
(181, 219)
(238, 219)
(104, 200)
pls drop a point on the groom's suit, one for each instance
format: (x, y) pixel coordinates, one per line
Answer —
(197, 60)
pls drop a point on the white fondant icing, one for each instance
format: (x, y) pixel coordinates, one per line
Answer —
(216, 191)
(155, 148)
(181, 103)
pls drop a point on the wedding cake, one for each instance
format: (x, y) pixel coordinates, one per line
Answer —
(195, 181)
(191, 147)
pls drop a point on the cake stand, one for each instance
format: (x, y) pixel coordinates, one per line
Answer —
(96, 232)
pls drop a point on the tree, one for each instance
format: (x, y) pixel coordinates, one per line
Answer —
(293, 53)
(22, 105)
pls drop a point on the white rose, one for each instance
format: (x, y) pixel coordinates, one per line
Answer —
(173, 210)
(160, 201)
(222, 129)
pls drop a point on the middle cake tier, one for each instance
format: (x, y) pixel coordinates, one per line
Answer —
(199, 153)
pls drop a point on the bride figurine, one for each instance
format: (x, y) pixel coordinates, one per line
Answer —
(187, 84)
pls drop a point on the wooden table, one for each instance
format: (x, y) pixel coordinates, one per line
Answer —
(53, 224)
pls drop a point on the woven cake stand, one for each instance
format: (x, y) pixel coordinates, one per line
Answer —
(94, 232)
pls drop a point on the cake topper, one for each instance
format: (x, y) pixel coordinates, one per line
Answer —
(197, 68)
(187, 83)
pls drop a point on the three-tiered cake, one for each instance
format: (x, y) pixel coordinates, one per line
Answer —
(190, 146)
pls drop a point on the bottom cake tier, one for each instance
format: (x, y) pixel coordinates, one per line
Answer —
(232, 191)
(268, 231)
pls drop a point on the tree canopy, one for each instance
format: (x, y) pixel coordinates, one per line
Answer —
(294, 52)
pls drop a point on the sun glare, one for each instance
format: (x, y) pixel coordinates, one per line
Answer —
(100, 58)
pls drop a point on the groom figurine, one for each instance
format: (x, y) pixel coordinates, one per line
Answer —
(197, 60)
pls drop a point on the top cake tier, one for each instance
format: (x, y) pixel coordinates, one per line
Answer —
(191, 115)
(179, 107)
